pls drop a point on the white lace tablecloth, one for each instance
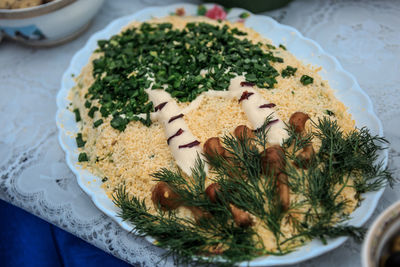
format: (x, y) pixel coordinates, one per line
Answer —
(363, 35)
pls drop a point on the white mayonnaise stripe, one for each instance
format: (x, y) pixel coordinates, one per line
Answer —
(176, 131)
(251, 103)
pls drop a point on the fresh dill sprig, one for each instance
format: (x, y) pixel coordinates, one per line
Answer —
(190, 189)
(343, 160)
(295, 140)
(243, 183)
(356, 152)
(323, 232)
(188, 240)
(319, 210)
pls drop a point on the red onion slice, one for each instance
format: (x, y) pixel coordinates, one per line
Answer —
(245, 95)
(268, 125)
(270, 105)
(191, 144)
(175, 117)
(250, 84)
(160, 106)
(179, 132)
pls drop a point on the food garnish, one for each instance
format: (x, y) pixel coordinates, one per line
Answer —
(253, 187)
(181, 119)
(125, 70)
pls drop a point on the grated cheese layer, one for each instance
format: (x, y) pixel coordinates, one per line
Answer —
(131, 156)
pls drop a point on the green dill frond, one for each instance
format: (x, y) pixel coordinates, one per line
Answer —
(185, 239)
(320, 211)
(323, 232)
(250, 190)
(190, 189)
(262, 132)
(354, 153)
(295, 140)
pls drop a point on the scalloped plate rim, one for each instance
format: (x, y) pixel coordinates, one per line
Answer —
(263, 260)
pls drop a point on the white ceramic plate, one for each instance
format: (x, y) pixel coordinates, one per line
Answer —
(346, 88)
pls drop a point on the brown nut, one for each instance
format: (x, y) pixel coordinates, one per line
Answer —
(243, 131)
(298, 121)
(163, 195)
(242, 218)
(305, 156)
(213, 147)
(199, 214)
(283, 190)
(272, 160)
(211, 192)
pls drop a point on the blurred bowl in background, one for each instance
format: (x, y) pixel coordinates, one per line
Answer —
(379, 243)
(49, 24)
(255, 6)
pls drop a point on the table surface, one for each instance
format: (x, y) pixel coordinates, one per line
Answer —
(364, 36)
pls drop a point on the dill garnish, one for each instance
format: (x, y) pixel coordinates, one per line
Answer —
(344, 161)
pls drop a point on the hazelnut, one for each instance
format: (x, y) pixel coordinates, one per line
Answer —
(305, 157)
(242, 218)
(272, 160)
(242, 131)
(213, 147)
(164, 196)
(211, 192)
(199, 214)
(298, 121)
(283, 190)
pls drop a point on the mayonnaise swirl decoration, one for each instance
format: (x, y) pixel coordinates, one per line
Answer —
(257, 109)
(183, 144)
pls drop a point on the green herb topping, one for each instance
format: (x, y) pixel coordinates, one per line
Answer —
(97, 123)
(329, 112)
(92, 111)
(119, 123)
(88, 104)
(343, 160)
(244, 15)
(305, 80)
(184, 63)
(289, 71)
(201, 10)
(79, 140)
(77, 115)
(82, 157)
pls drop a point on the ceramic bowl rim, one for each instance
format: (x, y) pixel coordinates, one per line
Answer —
(376, 231)
(35, 11)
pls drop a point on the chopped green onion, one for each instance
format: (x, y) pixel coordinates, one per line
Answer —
(201, 10)
(77, 115)
(329, 112)
(92, 111)
(87, 104)
(289, 71)
(82, 157)
(97, 123)
(244, 15)
(305, 80)
(79, 140)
